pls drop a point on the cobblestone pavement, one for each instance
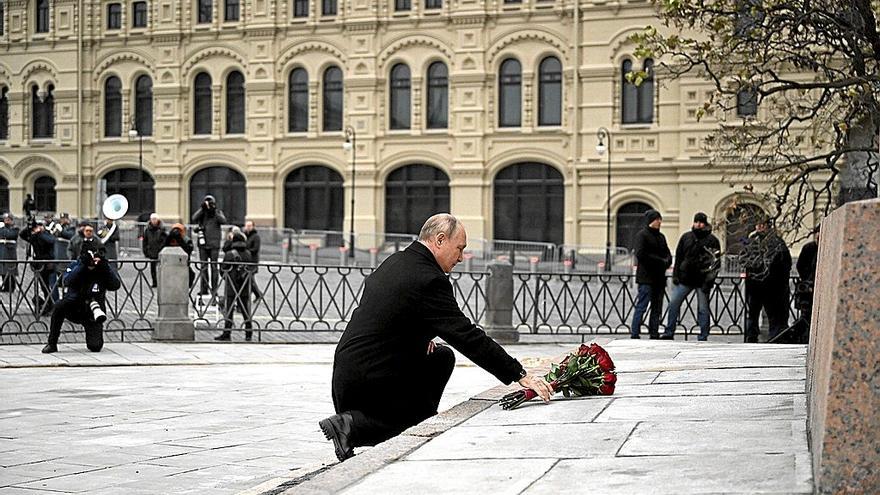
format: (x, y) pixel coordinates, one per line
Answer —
(173, 418)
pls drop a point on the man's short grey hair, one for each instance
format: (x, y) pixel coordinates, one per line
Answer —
(441, 222)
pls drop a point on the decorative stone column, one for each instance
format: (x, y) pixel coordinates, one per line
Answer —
(173, 322)
(498, 320)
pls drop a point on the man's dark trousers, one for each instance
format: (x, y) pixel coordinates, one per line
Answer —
(774, 300)
(383, 408)
(77, 312)
(211, 254)
(653, 294)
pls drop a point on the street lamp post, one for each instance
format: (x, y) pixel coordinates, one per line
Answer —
(604, 135)
(350, 144)
(133, 132)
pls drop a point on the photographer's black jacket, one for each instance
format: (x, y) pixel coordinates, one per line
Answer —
(42, 244)
(211, 221)
(82, 283)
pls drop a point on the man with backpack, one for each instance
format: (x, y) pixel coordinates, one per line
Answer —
(696, 265)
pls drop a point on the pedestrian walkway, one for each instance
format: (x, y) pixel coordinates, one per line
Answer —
(686, 418)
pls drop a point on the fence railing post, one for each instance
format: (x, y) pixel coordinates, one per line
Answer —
(498, 319)
(173, 322)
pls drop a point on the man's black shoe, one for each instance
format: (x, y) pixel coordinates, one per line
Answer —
(50, 348)
(338, 429)
(634, 336)
(224, 336)
(751, 339)
(667, 337)
(653, 336)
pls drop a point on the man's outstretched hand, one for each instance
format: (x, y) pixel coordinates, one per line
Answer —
(538, 384)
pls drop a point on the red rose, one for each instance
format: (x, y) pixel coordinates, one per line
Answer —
(583, 350)
(610, 378)
(605, 362)
(606, 389)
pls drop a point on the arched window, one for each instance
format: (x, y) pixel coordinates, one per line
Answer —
(43, 107)
(400, 100)
(42, 18)
(510, 94)
(314, 199)
(438, 96)
(412, 194)
(44, 193)
(550, 92)
(231, 12)
(637, 102)
(328, 7)
(746, 103)
(139, 19)
(137, 186)
(4, 195)
(529, 203)
(298, 88)
(300, 8)
(235, 103)
(202, 113)
(739, 223)
(4, 113)
(205, 11)
(226, 185)
(630, 219)
(113, 107)
(143, 105)
(332, 99)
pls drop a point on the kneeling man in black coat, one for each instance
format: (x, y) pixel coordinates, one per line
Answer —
(388, 374)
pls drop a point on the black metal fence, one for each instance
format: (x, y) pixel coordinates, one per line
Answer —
(306, 303)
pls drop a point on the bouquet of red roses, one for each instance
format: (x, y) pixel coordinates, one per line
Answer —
(589, 371)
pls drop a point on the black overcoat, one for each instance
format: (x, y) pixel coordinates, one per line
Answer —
(407, 302)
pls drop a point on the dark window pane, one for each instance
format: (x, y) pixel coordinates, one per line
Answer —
(235, 112)
(510, 94)
(4, 194)
(629, 95)
(140, 15)
(313, 199)
(43, 119)
(299, 101)
(332, 99)
(226, 185)
(206, 8)
(202, 113)
(4, 113)
(646, 94)
(746, 103)
(402, 5)
(2, 18)
(412, 194)
(328, 7)
(630, 219)
(438, 96)
(300, 8)
(529, 203)
(139, 193)
(400, 98)
(113, 107)
(433, 4)
(231, 11)
(114, 16)
(550, 92)
(42, 16)
(44, 193)
(144, 105)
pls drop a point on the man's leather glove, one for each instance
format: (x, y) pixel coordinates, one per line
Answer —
(85, 258)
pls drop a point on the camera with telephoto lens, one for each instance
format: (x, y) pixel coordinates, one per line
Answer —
(98, 314)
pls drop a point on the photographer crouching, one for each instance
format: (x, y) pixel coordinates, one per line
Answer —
(86, 279)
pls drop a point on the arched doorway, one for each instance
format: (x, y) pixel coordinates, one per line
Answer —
(739, 222)
(630, 218)
(412, 194)
(136, 185)
(313, 199)
(44, 194)
(4, 195)
(227, 186)
(529, 203)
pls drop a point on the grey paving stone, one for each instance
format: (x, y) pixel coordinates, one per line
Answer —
(559, 410)
(674, 475)
(732, 375)
(707, 408)
(658, 437)
(499, 476)
(526, 441)
(711, 388)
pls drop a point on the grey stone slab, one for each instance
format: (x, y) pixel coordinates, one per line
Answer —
(707, 407)
(711, 388)
(502, 476)
(746, 437)
(559, 410)
(97, 480)
(526, 441)
(732, 375)
(676, 475)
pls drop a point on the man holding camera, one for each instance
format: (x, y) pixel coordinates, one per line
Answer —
(87, 279)
(8, 252)
(42, 251)
(210, 220)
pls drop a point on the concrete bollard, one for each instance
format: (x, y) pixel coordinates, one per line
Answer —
(533, 264)
(313, 254)
(285, 251)
(374, 257)
(173, 322)
(343, 256)
(498, 320)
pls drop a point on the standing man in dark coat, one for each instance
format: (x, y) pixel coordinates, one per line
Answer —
(153, 241)
(238, 277)
(653, 258)
(109, 236)
(388, 374)
(254, 244)
(29, 206)
(768, 268)
(8, 252)
(696, 265)
(42, 246)
(210, 220)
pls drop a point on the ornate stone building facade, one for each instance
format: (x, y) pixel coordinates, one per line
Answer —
(489, 109)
